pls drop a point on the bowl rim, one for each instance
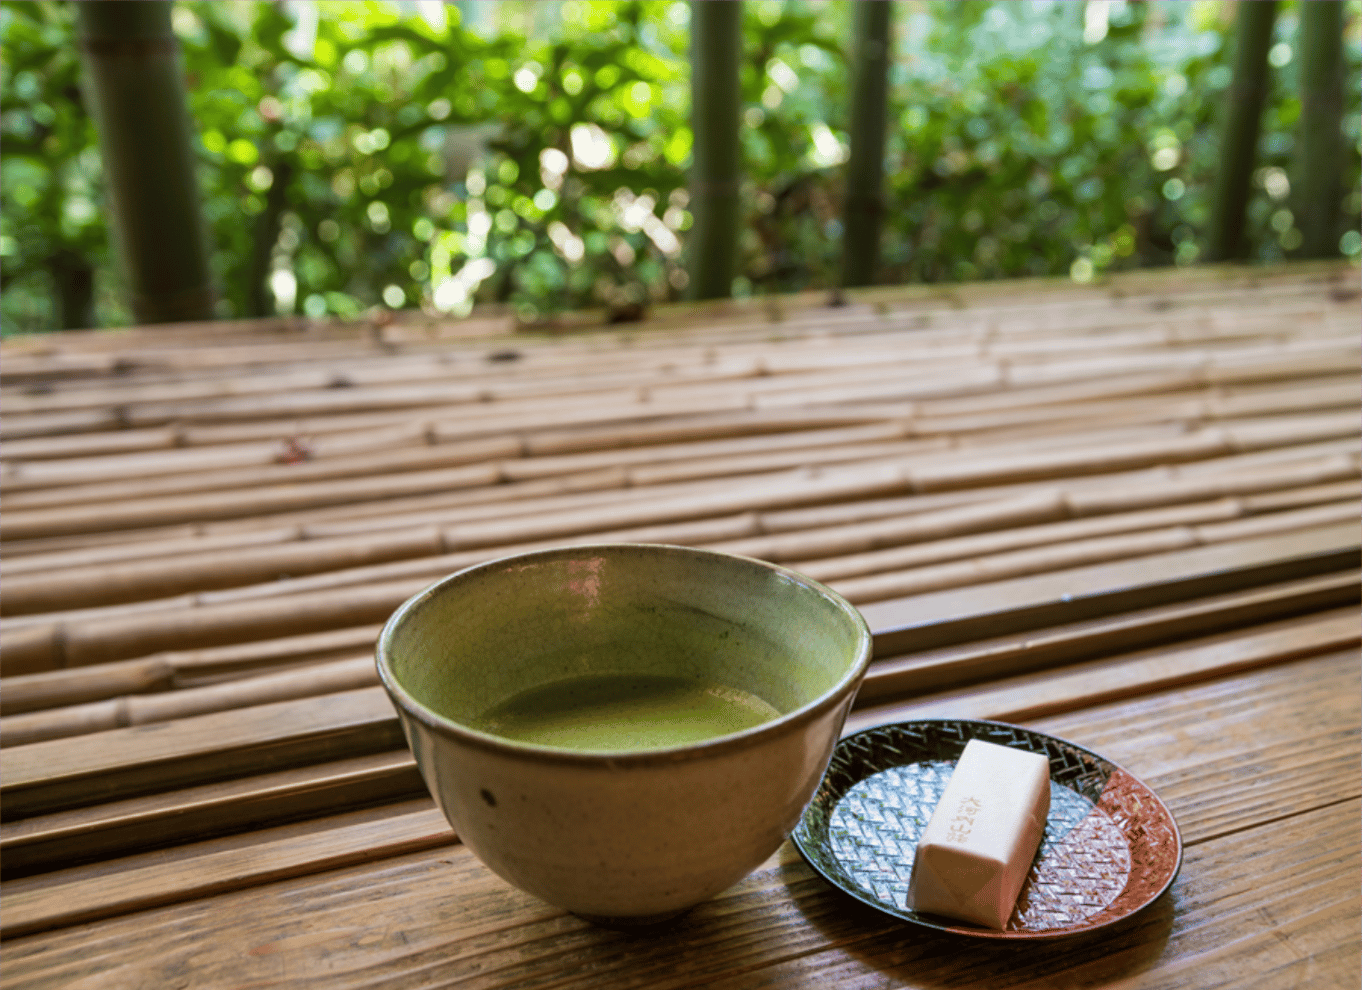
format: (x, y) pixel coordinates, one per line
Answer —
(408, 705)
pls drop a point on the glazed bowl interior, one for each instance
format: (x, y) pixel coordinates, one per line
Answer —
(528, 622)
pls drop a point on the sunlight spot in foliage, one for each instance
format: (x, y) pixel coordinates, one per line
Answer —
(592, 148)
(343, 184)
(769, 11)
(243, 152)
(638, 99)
(324, 53)
(679, 145)
(1350, 243)
(393, 296)
(526, 77)
(1280, 55)
(1081, 270)
(455, 293)
(573, 82)
(1095, 21)
(1173, 189)
(827, 150)
(679, 14)
(260, 178)
(310, 81)
(545, 200)
(377, 212)
(433, 13)
(356, 60)
(1275, 182)
(79, 210)
(569, 245)
(1164, 158)
(782, 75)
(301, 39)
(553, 165)
(214, 141)
(284, 288)
(476, 182)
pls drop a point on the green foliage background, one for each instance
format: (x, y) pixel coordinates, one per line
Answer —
(535, 154)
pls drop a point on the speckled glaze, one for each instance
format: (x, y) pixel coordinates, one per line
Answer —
(623, 837)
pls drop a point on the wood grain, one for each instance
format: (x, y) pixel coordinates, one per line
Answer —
(191, 814)
(68, 773)
(782, 926)
(1028, 696)
(52, 903)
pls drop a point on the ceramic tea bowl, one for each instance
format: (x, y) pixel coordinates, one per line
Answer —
(623, 730)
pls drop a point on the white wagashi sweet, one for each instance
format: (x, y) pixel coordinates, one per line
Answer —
(977, 849)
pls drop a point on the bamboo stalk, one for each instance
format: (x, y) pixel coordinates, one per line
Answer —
(1071, 554)
(134, 709)
(1241, 120)
(715, 61)
(1105, 681)
(46, 592)
(952, 668)
(66, 773)
(136, 96)
(43, 907)
(1100, 495)
(191, 814)
(1318, 191)
(183, 668)
(871, 55)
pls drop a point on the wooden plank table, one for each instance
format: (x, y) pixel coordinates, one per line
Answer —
(1126, 514)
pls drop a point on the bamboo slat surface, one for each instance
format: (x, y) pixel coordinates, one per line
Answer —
(1125, 514)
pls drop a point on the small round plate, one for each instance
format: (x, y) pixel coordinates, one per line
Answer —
(1110, 846)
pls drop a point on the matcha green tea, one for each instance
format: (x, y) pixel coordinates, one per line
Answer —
(624, 712)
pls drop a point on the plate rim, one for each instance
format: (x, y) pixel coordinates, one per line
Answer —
(911, 917)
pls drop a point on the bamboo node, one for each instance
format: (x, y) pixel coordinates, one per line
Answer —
(59, 658)
(294, 450)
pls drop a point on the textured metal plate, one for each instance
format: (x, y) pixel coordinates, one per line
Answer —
(1110, 845)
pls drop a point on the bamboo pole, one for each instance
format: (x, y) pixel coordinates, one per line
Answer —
(1242, 114)
(135, 709)
(136, 96)
(715, 57)
(1319, 148)
(864, 207)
